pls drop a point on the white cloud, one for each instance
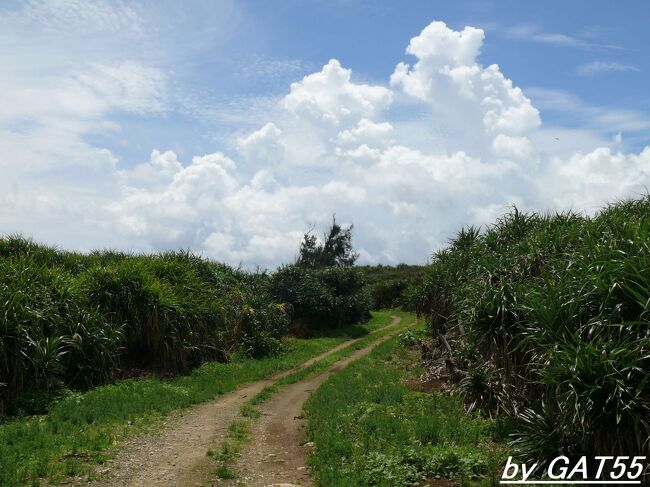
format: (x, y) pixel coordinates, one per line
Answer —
(176, 211)
(532, 33)
(561, 40)
(262, 69)
(366, 132)
(518, 148)
(330, 97)
(159, 170)
(444, 142)
(596, 67)
(128, 86)
(64, 16)
(586, 181)
(476, 103)
(263, 144)
(166, 163)
(81, 95)
(44, 122)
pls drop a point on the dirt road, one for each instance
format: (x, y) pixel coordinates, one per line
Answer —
(176, 455)
(277, 455)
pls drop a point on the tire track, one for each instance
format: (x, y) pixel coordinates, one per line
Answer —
(175, 455)
(276, 455)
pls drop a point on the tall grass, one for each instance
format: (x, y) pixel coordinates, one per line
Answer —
(546, 317)
(77, 320)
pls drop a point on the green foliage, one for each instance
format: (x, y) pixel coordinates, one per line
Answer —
(81, 320)
(224, 472)
(409, 338)
(372, 431)
(330, 296)
(335, 251)
(322, 288)
(548, 315)
(393, 286)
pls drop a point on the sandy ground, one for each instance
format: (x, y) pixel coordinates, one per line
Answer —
(175, 454)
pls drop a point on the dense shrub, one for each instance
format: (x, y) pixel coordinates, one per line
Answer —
(73, 320)
(323, 288)
(393, 286)
(330, 296)
(387, 294)
(547, 318)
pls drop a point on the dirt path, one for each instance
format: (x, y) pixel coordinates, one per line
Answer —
(277, 455)
(176, 455)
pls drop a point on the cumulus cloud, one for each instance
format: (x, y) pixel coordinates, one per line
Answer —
(54, 178)
(517, 148)
(476, 103)
(334, 144)
(587, 180)
(263, 144)
(176, 212)
(330, 97)
(366, 132)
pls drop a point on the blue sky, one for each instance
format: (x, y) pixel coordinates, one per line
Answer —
(225, 128)
(594, 51)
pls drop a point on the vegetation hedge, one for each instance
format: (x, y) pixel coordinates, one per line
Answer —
(393, 286)
(331, 296)
(546, 318)
(76, 320)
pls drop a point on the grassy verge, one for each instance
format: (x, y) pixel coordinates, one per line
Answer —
(321, 365)
(80, 429)
(249, 412)
(371, 430)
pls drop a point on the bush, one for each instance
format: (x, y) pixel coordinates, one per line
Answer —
(77, 320)
(387, 295)
(393, 286)
(548, 315)
(331, 296)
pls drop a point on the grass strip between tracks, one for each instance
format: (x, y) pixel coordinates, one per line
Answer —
(227, 453)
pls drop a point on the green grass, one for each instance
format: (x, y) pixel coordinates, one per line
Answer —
(249, 411)
(223, 472)
(321, 365)
(79, 430)
(370, 430)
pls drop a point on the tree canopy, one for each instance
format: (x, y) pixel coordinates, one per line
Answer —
(335, 250)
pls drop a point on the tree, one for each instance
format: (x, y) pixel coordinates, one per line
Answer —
(335, 251)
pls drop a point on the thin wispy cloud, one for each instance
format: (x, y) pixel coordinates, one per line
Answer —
(533, 33)
(598, 118)
(88, 16)
(597, 67)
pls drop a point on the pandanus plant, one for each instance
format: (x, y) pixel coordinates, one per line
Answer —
(554, 310)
